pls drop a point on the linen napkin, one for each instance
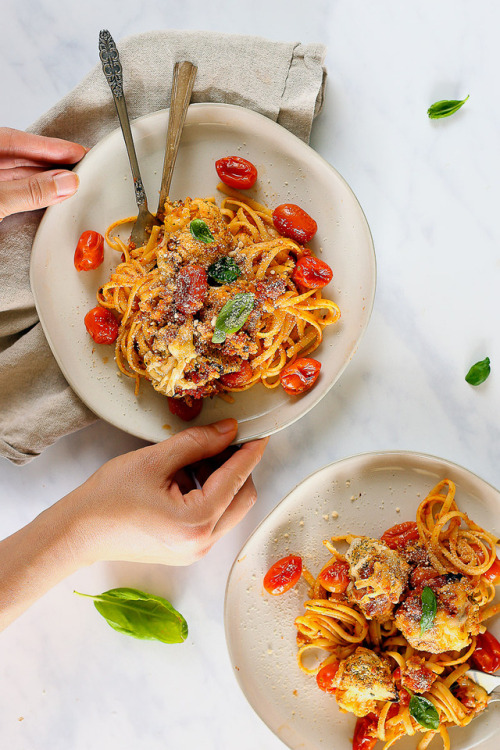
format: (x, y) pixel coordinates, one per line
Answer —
(282, 80)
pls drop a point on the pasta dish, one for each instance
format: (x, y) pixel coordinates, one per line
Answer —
(401, 620)
(216, 301)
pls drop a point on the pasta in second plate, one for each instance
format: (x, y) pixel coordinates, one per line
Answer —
(401, 619)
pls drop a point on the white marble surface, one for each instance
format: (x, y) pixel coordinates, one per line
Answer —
(430, 192)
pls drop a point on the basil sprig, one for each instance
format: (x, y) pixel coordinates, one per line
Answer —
(423, 711)
(233, 316)
(479, 372)
(200, 231)
(140, 615)
(445, 108)
(224, 271)
(429, 607)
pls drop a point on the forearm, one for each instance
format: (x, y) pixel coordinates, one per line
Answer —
(37, 557)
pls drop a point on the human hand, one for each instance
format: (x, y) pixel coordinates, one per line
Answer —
(29, 176)
(144, 507)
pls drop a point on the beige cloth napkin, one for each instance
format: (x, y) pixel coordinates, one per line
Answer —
(284, 81)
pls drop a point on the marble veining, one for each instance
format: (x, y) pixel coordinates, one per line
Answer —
(430, 193)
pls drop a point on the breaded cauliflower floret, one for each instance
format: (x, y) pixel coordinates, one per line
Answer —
(379, 576)
(363, 679)
(457, 618)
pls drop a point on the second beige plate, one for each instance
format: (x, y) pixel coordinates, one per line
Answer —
(370, 493)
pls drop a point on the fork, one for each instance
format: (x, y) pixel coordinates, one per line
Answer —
(112, 69)
(182, 87)
(489, 682)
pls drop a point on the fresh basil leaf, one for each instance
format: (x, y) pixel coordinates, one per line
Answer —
(429, 607)
(479, 372)
(224, 271)
(140, 615)
(423, 711)
(200, 231)
(233, 316)
(445, 108)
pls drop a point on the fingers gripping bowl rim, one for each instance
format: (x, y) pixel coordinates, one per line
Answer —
(63, 297)
(260, 630)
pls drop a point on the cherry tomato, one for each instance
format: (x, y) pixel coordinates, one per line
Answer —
(363, 733)
(335, 577)
(312, 273)
(283, 575)
(236, 172)
(300, 375)
(184, 410)
(102, 325)
(421, 576)
(191, 290)
(493, 572)
(399, 535)
(486, 656)
(325, 677)
(292, 221)
(404, 697)
(89, 253)
(393, 711)
(237, 379)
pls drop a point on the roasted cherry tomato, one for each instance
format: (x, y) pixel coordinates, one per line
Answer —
(312, 273)
(404, 697)
(325, 676)
(238, 379)
(486, 656)
(365, 728)
(236, 172)
(493, 572)
(102, 325)
(191, 290)
(283, 575)
(292, 221)
(183, 409)
(335, 577)
(300, 375)
(89, 253)
(399, 535)
(421, 576)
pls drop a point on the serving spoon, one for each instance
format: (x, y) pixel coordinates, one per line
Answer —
(182, 87)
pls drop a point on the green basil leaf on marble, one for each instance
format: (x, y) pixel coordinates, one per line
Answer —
(479, 372)
(445, 108)
(140, 615)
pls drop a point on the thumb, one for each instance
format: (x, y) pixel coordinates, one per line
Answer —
(37, 191)
(196, 443)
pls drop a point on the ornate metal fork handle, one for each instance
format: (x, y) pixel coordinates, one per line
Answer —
(112, 69)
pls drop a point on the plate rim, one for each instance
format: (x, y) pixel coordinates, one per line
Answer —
(269, 123)
(365, 457)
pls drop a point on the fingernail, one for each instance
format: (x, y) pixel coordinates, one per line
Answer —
(66, 183)
(225, 426)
